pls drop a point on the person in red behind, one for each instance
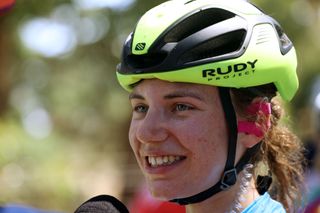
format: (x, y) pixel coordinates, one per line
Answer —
(6, 5)
(313, 207)
(143, 202)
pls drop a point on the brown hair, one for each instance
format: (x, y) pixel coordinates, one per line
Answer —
(281, 152)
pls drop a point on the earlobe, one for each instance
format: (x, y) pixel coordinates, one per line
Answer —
(249, 140)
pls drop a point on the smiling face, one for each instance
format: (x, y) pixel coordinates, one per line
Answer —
(178, 135)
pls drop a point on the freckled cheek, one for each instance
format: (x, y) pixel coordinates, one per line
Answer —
(193, 133)
(194, 141)
(207, 160)
(204, 141)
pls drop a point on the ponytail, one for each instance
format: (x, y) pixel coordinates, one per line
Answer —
(281, 152)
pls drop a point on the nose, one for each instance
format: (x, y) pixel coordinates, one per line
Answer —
(152, 128)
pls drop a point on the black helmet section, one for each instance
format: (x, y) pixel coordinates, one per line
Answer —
(204, 36)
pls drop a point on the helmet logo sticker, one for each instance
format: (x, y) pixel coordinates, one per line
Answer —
(231, 71)
(140, 46)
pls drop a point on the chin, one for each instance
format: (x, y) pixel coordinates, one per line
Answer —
(162, 190)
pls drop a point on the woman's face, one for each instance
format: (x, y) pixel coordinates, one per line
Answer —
(178, 135)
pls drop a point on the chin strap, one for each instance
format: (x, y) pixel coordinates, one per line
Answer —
(229, 177)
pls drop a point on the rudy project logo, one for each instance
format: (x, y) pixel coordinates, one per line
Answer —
(140, 46)
(231, 71)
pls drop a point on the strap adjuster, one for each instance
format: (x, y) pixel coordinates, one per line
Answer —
(229, 178)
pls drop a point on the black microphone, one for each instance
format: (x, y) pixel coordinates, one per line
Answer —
(102, 204)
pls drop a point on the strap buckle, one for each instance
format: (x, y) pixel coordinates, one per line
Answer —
(229, 178)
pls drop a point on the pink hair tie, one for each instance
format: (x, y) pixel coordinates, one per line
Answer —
(250, 128)
(253, 127)
(264, 107)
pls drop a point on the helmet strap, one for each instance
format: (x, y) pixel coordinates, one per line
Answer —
(229, 177)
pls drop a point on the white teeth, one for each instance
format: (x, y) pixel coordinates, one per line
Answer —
(159, 160)
(163, 160)
(152, 161)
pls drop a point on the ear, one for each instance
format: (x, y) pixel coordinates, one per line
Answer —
(248, 140)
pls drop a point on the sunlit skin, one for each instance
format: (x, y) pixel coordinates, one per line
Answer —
(185, 120)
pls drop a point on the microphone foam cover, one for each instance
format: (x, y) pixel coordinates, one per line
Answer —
(102, 204)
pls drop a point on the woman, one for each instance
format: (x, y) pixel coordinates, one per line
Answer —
(202, 76)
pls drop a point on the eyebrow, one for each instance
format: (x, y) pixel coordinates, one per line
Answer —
(135, 96)
(176, 94)
(182, 94)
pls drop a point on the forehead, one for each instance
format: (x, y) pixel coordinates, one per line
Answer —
(152, 87)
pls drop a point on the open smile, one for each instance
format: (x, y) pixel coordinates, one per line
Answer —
(166, 160)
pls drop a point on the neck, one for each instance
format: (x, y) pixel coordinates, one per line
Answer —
(251, 195)
(225, 200)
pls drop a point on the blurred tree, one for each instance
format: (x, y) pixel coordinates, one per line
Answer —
(4, 81)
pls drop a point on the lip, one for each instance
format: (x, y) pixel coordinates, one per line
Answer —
(163, 169)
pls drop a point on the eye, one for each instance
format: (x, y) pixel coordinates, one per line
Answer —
(140, 109)
(182, 107)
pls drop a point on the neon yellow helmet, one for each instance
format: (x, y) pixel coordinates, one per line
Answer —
(225, 43)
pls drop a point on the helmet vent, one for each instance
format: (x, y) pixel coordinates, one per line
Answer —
(264, 36)
(285, 43)
(227, 43)
(196, 22)
(144, 61)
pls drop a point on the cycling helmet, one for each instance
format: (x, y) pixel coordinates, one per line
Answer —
(224, 43)
(228, 43)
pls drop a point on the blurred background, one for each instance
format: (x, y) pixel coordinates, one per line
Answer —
(63, 116)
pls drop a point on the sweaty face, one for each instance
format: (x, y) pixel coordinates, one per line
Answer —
(178, 135)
